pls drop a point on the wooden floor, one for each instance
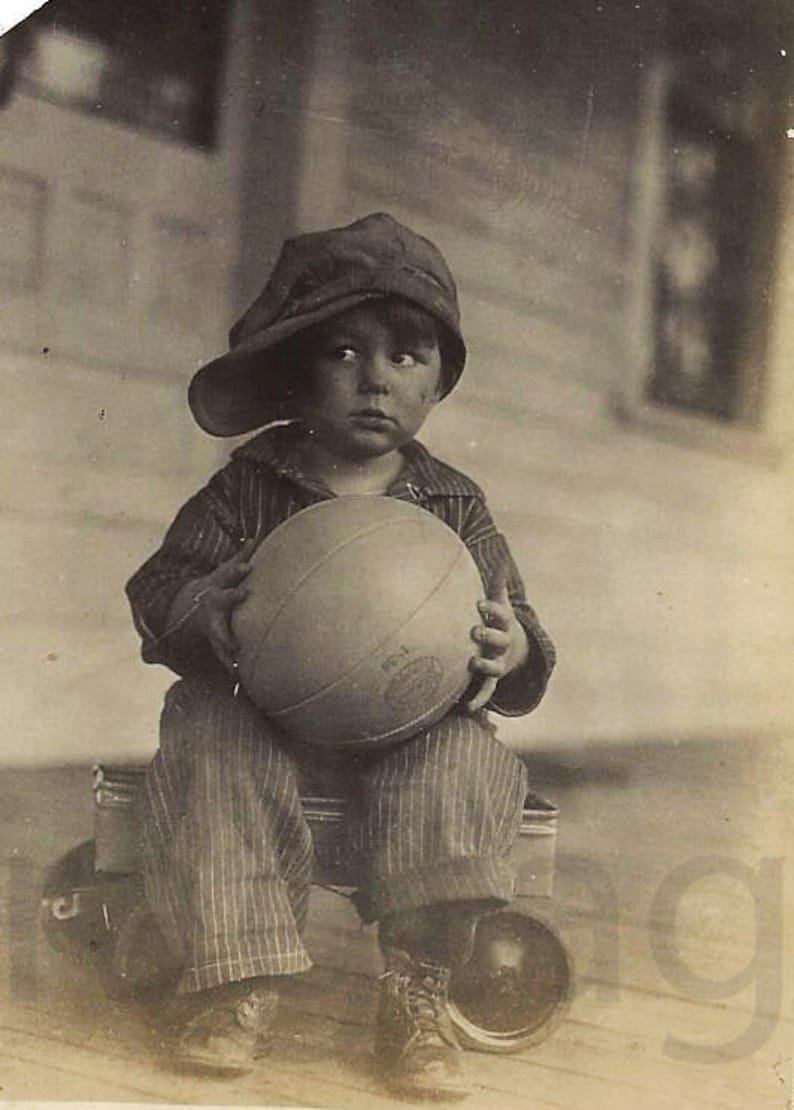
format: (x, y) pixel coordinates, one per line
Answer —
(652, 1026)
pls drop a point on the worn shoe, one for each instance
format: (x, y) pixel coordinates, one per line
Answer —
(416, 1050)
(222, 1031)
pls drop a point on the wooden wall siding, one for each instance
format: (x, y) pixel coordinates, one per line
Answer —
(660, 569)
(122, 263)
(23, 206)
(95, 263)
(83, 501)
(507, 133)
(90, 212)
(263, 125)
(183, 271)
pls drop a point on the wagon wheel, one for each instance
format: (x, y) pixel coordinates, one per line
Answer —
(515, 988)
(102, 922)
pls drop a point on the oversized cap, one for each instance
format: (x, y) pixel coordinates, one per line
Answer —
(317, 276)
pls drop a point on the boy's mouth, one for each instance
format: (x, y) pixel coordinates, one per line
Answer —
(374, 414)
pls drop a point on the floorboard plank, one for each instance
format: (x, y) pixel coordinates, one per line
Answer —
(629, 819)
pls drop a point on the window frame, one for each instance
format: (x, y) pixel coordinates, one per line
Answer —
(748, 436)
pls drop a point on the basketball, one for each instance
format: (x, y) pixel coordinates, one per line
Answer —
(356, 629)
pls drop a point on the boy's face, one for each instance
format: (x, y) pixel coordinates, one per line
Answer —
(365, 391)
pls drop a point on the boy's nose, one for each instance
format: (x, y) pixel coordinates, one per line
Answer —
(375, 370)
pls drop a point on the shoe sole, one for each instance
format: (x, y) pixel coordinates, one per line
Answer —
(436, 1094)
(414, 1089)
(208, 1064)
(208, 1067)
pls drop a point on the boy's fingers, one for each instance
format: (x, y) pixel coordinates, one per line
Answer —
(491, 638)
(492, 635)
(483, 696)
(223, 643)
(495, 615)
(245, 552)
(223, 598)
(229, 574)
(220, 631)
(235, 568)
(489, 671)
(484, 664)
(495, 607)
(229, 598)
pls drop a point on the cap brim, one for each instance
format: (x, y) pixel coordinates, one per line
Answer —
(230, 395)
(238, 392)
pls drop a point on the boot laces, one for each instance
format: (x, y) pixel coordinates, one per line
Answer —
(423, 993)
(425, 997)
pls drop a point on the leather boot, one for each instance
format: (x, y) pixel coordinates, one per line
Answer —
(223, 1030)
(416, 1050)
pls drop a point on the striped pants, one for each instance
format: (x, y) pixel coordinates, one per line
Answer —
(228, 853)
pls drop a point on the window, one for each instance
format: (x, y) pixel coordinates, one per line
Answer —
(709, 175)
(153, 64)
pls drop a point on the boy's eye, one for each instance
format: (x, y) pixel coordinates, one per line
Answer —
(342, 352)
(404, 358)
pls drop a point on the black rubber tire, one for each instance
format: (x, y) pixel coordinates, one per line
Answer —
(72, 918)
(101, 922)
(515, 989)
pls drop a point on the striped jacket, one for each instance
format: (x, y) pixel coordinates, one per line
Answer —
(259, 488)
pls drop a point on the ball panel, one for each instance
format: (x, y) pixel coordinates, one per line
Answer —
(296, 550)
(415, 676)
(346, 606)
(357, 625)
(284, 560)
(292, 549)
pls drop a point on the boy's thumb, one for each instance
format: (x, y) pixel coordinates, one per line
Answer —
(497, 587)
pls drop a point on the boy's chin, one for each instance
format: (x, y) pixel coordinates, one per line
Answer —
(369, 452)
(371, 443)
(361, 443)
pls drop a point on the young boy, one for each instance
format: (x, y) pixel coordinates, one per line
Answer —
(353, 341)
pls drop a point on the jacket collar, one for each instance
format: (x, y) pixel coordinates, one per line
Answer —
(422, 475)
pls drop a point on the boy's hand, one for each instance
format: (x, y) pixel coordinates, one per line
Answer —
(204, 606)
(502, 641)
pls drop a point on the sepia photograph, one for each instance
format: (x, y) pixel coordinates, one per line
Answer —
(397, 488)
